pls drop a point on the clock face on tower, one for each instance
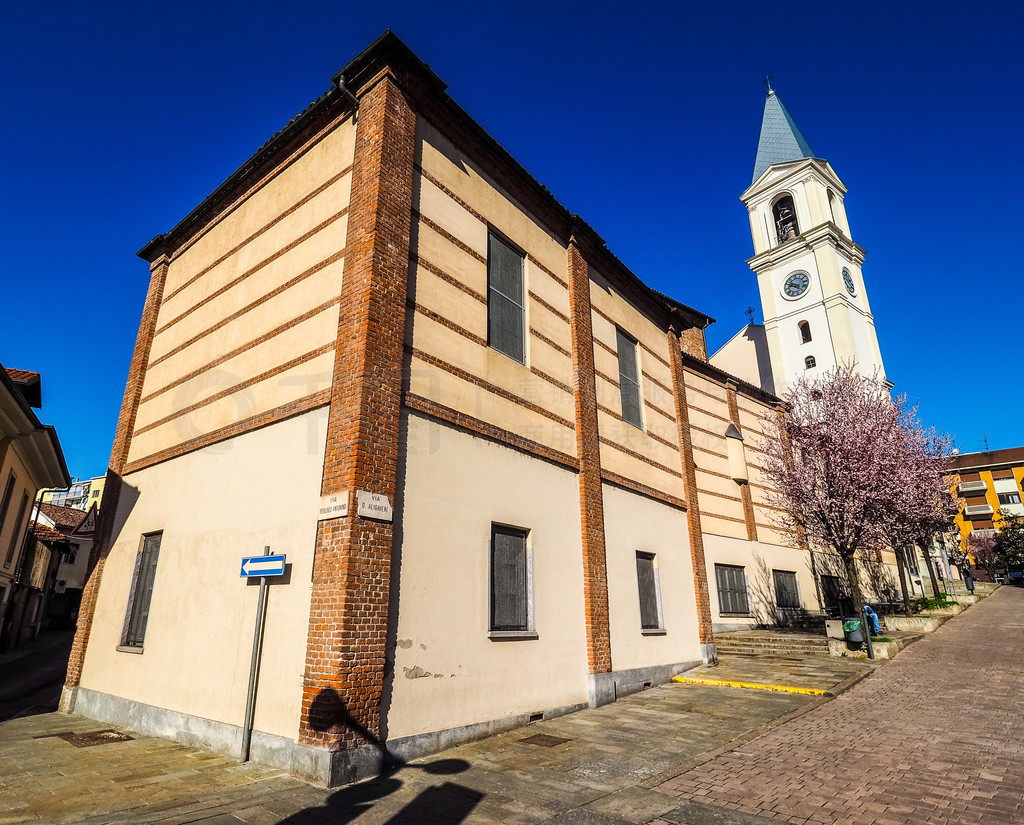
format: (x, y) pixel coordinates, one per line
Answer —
(796, 284)
(848, 280)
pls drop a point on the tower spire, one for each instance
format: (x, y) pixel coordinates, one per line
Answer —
(780, 141)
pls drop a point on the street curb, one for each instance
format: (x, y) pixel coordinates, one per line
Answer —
(751, 685)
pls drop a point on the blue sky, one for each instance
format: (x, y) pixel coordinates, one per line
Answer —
(642, 118)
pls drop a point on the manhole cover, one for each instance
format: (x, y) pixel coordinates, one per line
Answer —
(544, 740)
(92, 738)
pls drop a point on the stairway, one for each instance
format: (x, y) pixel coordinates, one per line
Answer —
(771, 643)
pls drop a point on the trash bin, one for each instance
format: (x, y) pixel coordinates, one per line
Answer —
(852, 630)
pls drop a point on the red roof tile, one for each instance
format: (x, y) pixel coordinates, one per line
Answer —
(44, 533)
(62, 516)
(21, 375)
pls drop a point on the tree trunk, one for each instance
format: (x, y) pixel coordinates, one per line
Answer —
(901, 565)
(853, 578)
(931, 568)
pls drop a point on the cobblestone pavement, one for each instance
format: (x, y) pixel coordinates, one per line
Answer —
(936, 736)
(598, 773)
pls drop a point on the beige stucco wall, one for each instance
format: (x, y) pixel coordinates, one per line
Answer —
(448, 672)
(758, 559)
(24, 485)
(216, 506)
(632, 523)
(261, 284)
(448, 324)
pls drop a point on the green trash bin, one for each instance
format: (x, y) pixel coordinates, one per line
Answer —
(853, 631)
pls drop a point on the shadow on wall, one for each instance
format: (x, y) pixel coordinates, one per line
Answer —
(446, 804)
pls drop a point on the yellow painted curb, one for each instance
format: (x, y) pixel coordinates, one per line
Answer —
(751, 685)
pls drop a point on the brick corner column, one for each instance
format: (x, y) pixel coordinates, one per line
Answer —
(348, 619)
(708, 649)
(745, 494)
(588, 447)
(112, 487)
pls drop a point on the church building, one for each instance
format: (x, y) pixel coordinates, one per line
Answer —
(505, 479)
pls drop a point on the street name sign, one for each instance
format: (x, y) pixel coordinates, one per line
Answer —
(262, 566)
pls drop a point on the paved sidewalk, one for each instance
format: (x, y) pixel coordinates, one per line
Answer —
(936, 736)
(598, 773)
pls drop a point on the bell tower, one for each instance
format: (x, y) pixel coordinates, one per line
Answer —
(813, 298)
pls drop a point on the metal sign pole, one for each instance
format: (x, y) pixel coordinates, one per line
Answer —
(257, 643)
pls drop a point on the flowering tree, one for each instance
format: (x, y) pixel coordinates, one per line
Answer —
(981, 550)
(853, 469)
(1009, 544)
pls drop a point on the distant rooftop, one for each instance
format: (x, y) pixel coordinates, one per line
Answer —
(780, 141)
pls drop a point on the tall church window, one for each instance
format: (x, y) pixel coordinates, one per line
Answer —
(506, 328)
(784, 212)
(629, 380)
(805, 332)
(809, 362)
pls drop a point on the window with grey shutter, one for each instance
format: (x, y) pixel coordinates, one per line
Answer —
(786, 593)
(141, 593)
(6, 502)
(629, 379)
(647, 581)
(732, 589)
(13, 546)
(506, 327)
(509, 579)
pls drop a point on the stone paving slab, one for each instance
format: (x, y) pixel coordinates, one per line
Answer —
(596, 775)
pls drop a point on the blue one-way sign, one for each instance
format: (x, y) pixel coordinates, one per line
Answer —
(263, 566)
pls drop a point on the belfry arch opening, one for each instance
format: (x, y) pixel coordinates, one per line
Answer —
(805, 332)
(784, 214)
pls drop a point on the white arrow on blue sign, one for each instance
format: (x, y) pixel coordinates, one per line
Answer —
(263, 566)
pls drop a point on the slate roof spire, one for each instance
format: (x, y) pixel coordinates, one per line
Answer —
(781, 140)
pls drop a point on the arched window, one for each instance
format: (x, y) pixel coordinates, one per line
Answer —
(832, 206)
(805, 332)
(809, 362)
(784, 212)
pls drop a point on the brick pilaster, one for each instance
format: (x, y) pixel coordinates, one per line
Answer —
(588, 450)
(693, 521)
(748, 499)
(118, 456)
(351, 570)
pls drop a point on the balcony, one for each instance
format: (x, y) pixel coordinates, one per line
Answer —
(978, 511)
(967, 487)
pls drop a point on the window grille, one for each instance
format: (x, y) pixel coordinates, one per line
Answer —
(509, 579)
(786, 593)
(629, 379)
(732, 589)
(141, 594)
(505, 300)
(647, 581)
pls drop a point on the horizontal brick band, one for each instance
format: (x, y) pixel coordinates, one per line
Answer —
(719, 495)
(494, 389)
(643, 489)
(273, 222)
(655, 408)
(444, 276)
(548, 307)
(251, 306)
(489, 431)
(255, 422)
(639, 457)
(253, 270)
(248, 345)
(242, 385)
(427, 176)
(446, 322)
(448, 236)
(534, 332)
(546, 271)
